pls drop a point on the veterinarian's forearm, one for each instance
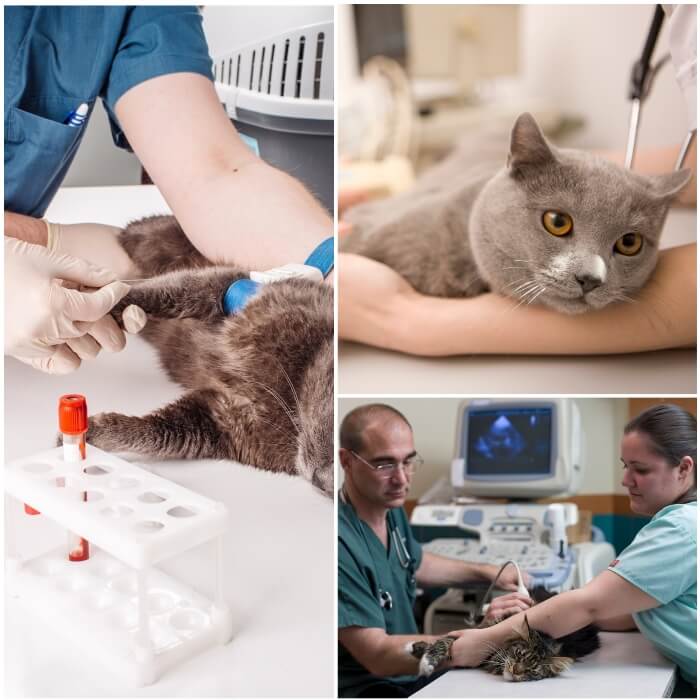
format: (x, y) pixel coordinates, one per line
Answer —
(232, 205)
(26, 228)
(380, 653)
(443, 571)
(662, 317)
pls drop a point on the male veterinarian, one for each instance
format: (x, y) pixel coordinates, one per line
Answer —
(380, 563)
(151, 68)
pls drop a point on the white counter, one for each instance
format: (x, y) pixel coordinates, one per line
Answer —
(625, 666)
(279, 552)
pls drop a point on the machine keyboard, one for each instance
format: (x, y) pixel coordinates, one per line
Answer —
(532, 557)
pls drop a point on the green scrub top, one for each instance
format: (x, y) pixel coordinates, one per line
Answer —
(662, 562)
(368, 571)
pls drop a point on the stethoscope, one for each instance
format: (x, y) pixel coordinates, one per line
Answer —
(398, 542)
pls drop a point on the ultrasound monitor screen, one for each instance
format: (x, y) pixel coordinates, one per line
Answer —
(509, 442)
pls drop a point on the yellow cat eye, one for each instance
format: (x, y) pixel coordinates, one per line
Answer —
(629, 244)
(557, 223)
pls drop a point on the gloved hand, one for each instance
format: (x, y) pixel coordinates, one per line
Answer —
(96, 243)
(46, 323)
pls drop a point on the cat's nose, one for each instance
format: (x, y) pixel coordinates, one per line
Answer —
(588, 282)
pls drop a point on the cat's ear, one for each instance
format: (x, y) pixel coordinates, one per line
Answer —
(669, 185)
(528, 146)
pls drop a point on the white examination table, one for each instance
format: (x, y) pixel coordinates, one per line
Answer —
(368, 370)
(625, 666)
(279, 550)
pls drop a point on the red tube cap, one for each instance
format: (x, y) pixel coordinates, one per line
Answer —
(72, 414)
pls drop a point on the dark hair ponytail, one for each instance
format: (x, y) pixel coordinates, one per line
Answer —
(672, 434)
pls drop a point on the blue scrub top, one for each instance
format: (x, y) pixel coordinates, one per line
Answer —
(59, 57)
(662, 562)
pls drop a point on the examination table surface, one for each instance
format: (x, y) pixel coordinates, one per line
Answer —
(278, 552)
(625, 666)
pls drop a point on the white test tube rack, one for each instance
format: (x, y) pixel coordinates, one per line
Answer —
(117, 606)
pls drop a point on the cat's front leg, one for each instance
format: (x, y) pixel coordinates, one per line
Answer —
(184, 429)
(185, 294)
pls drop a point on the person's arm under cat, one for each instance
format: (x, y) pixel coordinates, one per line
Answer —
(621, 623)
(233, 206)
(606, 596)
(378, 307)
(380, 653)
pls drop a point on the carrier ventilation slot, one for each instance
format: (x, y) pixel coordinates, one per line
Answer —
(319, 62)
(269, 73)
(300, 65)
(238, 68)
(260, 72)
(284, 67)
(230, 66)
(252, 71)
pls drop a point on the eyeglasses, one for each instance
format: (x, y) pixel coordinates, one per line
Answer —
(384, 471)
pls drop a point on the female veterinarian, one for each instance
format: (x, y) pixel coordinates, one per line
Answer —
(150, 66)
(652, 585)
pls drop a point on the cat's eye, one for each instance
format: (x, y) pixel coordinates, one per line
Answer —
(557, 223)
(629, 244)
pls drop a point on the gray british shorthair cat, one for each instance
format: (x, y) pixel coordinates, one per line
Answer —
(555, 226)
(259, 383)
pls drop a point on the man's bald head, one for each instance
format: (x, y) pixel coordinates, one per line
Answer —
(356, 422)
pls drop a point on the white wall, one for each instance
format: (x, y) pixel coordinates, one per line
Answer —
(434, 421)
(579, 58)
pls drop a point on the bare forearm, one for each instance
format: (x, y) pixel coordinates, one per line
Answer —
(662, 317)
(621, 623)
(232, 205)
(443, 571)
(26, 228)
(390, 658)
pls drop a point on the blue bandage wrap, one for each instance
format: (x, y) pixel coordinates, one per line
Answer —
(241, 291)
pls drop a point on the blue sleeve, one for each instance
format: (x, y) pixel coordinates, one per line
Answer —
(662, 559)
(156, 40)
(357, 606)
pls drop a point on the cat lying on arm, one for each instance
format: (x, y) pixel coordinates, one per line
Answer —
(259, 383)
(530, 656)
(556, 226)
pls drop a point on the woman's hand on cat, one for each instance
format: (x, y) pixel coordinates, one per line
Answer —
(507, 605)
(471, 648)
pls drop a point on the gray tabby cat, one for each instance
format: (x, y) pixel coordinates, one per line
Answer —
(530, 656)
(259, 383)
(558, 226)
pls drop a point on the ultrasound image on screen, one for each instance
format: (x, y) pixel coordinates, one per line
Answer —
(509, 442)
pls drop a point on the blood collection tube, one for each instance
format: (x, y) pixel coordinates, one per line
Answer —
(72, 422)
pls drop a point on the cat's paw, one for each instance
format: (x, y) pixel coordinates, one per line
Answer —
(416, 649)
(425, 667)
(106, 431)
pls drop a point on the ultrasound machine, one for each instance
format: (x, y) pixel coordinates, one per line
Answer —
(514, 451)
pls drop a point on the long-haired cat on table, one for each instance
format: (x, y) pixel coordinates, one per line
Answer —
(554, 226)
(259, 383)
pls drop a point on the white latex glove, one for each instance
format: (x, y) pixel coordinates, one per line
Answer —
(43, 318)
(96, 243)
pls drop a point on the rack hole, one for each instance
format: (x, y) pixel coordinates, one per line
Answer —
(188, 620)
(181, 512)
(117, 511)
(152, 497)
(37, 468)
(148, 526)
(97, 470)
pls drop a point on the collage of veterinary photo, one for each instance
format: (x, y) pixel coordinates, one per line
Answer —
(350, 350)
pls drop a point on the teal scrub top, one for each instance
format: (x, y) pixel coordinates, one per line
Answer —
(662, 562)
(366, 571)
(59, 57)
